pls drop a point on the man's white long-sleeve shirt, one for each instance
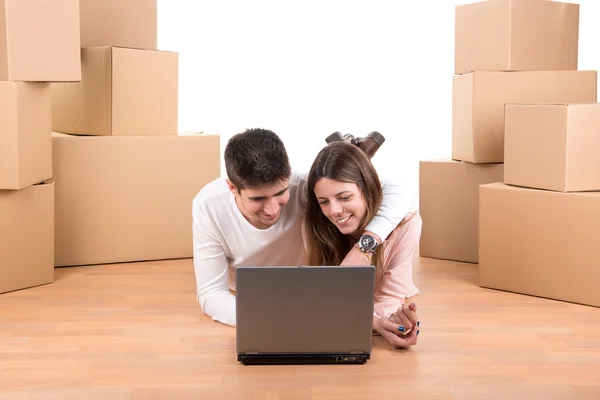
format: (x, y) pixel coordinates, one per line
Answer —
(223, 239)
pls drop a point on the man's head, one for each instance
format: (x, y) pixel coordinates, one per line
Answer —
(258, 171)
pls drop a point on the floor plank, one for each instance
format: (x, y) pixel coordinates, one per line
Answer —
(134, 331)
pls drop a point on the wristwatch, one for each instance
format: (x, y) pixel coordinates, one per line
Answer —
(367, 244)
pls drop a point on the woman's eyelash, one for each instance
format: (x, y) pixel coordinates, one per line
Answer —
(341, 198)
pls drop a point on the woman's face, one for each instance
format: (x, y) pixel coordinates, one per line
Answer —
(341, 202)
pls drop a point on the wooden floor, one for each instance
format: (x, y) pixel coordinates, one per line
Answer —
(134, 331)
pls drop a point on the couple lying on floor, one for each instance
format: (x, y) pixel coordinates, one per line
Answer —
(338, 214)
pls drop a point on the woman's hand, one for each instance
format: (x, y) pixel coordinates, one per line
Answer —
(401, 329)
(391, 332)
(406, 316)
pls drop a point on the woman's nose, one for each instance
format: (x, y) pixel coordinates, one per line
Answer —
(335, 208)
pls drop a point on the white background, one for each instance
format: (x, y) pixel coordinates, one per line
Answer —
(306, 69)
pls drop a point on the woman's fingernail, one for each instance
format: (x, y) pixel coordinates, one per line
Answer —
(418, 323)
(418, 333)
(401, 328)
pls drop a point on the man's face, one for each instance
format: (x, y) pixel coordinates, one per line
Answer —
(262, 206)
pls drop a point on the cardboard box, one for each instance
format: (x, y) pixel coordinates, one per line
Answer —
(539, 242)
(128, 198)
(39, 41)
(123, 92)
(449, 199)
(25, 134)
(130, 23)
(27, 237)
(513, 35)
(479, 99)
(553, 146)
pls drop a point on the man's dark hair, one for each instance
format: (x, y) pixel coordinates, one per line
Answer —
(256, 158)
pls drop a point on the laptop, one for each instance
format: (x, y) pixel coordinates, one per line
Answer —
(304, 315)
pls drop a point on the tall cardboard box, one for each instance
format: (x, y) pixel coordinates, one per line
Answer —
(540, 242)
(39, 41)
(449, 207)
(25, 134)
(128, 198)
(553, 146)
(516, 35)
(123, 23)
(27, 237)
(479, 99)
(123, 92)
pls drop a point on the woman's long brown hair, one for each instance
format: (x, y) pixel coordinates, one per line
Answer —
(326, 245)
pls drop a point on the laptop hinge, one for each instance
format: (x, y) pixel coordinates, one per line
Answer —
(251, 353)
(356, 351)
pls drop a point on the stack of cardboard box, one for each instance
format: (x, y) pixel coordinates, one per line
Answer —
(125, 178)
(39, 44)
(506, 51)
(92, 168)
(538, 227)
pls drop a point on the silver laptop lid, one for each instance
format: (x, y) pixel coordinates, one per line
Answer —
(304, 309)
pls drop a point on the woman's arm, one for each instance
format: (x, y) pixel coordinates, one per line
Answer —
(398, 253)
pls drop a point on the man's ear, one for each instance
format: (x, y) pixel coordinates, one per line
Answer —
(232, 188)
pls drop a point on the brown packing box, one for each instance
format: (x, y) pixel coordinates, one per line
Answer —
(449, 197)
(123, 92)
(539, 242)
(25, 134)
(511, 35)
(553, 146)
(124, 23)
(27, 237)
(479, 99)
(128, 198)
(39, 40)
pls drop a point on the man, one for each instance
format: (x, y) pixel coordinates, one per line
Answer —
(254, 218)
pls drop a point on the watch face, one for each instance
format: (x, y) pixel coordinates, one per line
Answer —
(367, 242)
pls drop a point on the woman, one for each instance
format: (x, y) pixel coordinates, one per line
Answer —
(344, 194)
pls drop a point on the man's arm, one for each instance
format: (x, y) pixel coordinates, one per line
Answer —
(210, 267)
(396, 203)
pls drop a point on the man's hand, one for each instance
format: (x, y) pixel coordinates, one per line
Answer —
(357, 257)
